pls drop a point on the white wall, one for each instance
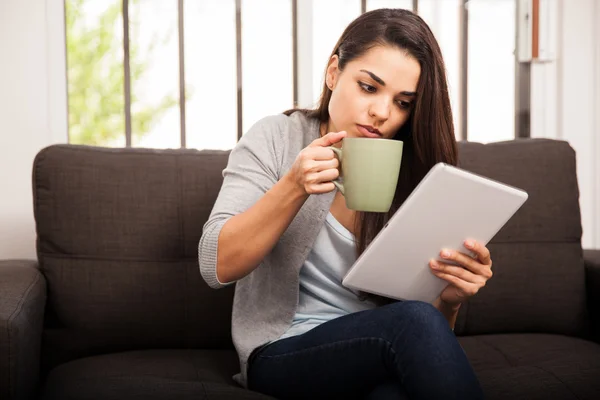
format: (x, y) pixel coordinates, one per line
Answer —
(33, 110)
(566, 101)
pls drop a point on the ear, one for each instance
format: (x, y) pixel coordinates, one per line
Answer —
(332, 73)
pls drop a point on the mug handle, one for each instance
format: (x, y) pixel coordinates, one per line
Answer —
(338, 153)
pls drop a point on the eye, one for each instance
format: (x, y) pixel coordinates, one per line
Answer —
(403, 104)
(366, 87)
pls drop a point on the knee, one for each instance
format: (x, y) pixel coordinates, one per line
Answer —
(422, 318)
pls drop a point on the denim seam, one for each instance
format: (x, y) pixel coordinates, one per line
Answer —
(330, 345)
(377, 339)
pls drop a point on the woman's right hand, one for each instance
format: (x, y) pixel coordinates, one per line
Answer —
(317, 166)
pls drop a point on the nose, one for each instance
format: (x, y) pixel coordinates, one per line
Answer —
(380, 109)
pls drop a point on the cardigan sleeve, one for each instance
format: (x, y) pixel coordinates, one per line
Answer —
(252, 169)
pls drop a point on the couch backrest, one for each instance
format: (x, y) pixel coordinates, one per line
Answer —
(118, 233)
(539, 278)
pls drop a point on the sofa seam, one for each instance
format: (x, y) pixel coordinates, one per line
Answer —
(96, 258)
(183, 246)
(203, 385)
(132, 259)
(12, 316)
(180, 202)
(503, 354)
(558, 379)
(193, 365)
(83, 148)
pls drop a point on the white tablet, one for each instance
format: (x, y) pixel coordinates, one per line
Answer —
(448, 206)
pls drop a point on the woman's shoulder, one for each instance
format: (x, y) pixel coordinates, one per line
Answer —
(296, 126)
(303, 124)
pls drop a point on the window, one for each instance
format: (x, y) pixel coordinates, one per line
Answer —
(154, 46)
(97, 70)
(375, 4)
(491, 71)
(199, 73)
(210, 74)
(266, 59)
(95, 75)
(329, 18)
(443, 17)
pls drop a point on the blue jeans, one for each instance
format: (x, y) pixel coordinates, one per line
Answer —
(401, 350)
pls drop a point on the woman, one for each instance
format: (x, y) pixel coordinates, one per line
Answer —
(281, 231)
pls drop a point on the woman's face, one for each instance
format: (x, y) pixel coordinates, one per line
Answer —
(374, 94)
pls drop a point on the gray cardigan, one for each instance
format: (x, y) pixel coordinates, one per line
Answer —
(265, 301)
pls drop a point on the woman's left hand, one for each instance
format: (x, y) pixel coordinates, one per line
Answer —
(466, 278)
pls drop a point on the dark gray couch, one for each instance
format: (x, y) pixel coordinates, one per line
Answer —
(116, 307)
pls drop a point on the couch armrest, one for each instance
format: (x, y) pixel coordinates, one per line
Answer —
(22, 303)
(592, 282)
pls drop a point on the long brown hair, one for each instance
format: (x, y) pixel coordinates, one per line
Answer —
(428, 133)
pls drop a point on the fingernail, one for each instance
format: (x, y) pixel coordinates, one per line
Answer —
(434, 264)
(469, 243)
(445, 253)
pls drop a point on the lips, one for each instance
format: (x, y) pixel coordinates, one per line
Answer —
(368, 131)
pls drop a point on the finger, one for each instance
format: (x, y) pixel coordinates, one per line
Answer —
(325, 176)
(329, 139)
(458, 272)
(319, 166)
(312, 167)
(467, 288)
(320, 154)
(465, 261)
(482, 252)
(321, 188)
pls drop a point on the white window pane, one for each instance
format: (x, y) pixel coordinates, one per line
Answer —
(491, 70)
(330, 18)
(154, 64)
(210, 74)
(95, 72)
(375, 4)
(443, 17)
(267, 72)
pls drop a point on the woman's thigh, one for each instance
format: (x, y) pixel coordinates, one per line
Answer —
(407, 342)
(390, 390)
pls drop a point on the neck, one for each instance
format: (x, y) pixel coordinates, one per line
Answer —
(326, 127)
(323, 129)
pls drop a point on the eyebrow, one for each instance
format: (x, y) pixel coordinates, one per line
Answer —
(382, 83)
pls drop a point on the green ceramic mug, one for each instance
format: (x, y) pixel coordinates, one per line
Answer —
(369, 172)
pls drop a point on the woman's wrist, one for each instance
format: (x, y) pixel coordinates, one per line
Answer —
(449, 311)
(450, 306)
(294, 188)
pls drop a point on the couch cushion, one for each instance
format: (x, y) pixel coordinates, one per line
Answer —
(103, 306)
(118, 233)
(535, 366)
(151, 375)
(539, 281)
(124, 203)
